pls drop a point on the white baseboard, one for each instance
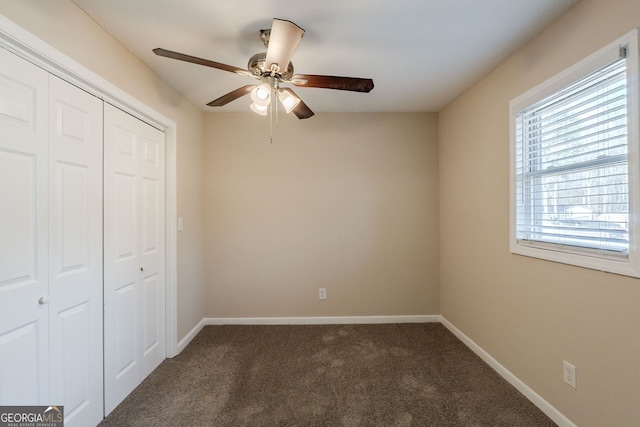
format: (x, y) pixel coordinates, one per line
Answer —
(184, 342)
(321, 320)
(555, 415)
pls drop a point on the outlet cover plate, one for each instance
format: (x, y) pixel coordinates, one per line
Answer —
(569, 373)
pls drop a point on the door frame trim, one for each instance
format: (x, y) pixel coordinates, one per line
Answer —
(24, 44)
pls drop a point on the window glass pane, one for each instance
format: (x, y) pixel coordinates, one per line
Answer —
(571, 170)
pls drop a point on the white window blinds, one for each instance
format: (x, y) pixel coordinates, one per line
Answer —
(571, 167)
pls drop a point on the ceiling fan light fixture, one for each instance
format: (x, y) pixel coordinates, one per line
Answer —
(261, 95)
(259, 109)
(289, 101)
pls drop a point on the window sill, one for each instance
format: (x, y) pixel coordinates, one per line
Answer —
(622, 265)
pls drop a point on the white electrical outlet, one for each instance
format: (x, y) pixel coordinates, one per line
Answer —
(569, 373)
(322, 293)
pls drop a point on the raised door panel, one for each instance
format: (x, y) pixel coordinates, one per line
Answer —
(75, 255)
(20, 365)
(126, 348)
(21, 224)
(24, 371)
(125, 230)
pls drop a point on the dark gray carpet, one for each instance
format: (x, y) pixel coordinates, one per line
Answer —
(326, 375)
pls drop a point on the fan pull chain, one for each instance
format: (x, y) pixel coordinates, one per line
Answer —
(271, 122)
(275, 101)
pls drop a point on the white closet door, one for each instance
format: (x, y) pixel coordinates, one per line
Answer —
(75, 252)
(122, 345)
(152, 247)
(133, 253)
(24, 374)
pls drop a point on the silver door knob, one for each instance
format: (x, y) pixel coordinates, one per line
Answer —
(43, 300)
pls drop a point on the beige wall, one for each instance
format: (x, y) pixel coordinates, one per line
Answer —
(531, 314)
(64, 26)
(348, 202)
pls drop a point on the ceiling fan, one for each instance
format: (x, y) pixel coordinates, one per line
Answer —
(273, 68)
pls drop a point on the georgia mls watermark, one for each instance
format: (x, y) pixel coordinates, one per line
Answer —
(31, 416)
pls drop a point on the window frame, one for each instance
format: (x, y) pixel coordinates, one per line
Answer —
(629, 265)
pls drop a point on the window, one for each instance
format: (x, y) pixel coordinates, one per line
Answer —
(574, 164)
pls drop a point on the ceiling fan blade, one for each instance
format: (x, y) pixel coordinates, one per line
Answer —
(231, 96)
(302, 111)
(354, 84)
(283, 41)
(195, 60)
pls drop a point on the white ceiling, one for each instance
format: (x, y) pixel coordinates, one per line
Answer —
(421, 54)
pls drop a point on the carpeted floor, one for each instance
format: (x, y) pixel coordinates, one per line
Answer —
(326, 375)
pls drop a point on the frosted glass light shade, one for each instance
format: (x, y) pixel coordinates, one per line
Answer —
(288, 100)
(261, 95)
(260, 109)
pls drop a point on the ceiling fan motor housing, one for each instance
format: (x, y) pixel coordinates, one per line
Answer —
(257, 67)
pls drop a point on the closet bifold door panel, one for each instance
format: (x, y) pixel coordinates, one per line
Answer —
(134, 282)
(24, 286)
(75, 252)
(51, 230)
